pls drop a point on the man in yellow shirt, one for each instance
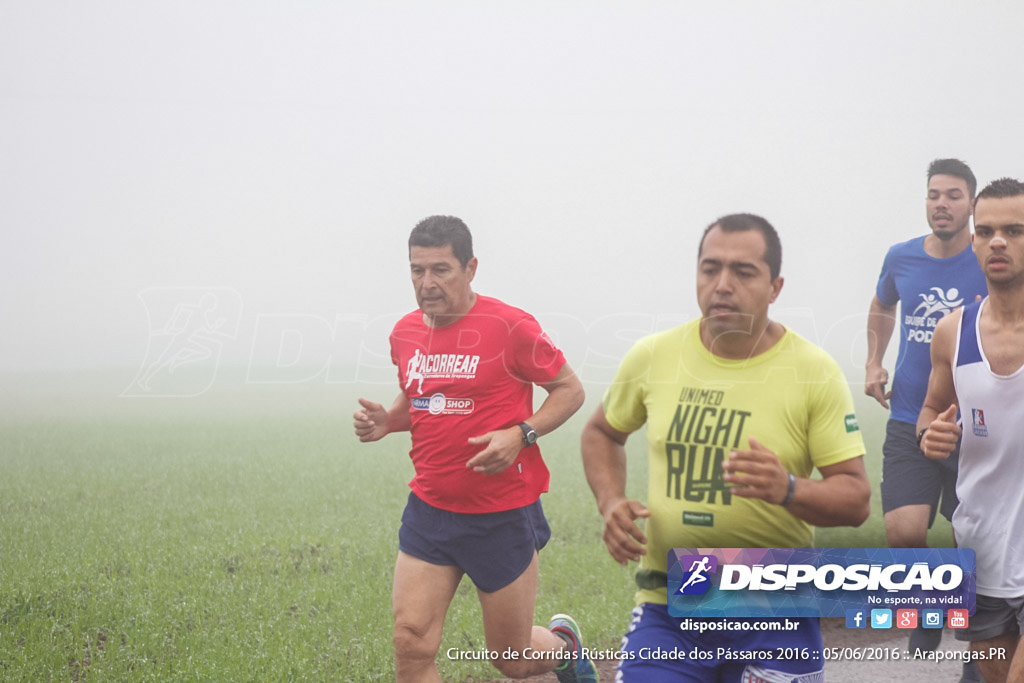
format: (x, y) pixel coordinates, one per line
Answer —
(739, 411)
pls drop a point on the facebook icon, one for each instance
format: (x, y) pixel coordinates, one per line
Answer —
(855, 618)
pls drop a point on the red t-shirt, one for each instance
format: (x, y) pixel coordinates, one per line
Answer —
(466, 379)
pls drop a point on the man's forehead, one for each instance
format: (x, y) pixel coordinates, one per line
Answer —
(943, 181)
(999, 211)
(424, 255)
(734, 247)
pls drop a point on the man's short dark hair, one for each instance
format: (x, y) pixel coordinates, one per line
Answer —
(437, 231)
(957, 168)
(740, 222)
(998, 189)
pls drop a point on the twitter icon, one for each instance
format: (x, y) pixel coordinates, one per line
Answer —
(881, 618)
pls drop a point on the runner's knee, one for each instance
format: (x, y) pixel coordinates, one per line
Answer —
(412, 643)
(514, 668)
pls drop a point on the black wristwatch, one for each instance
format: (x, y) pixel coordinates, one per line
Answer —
(529, 436)
(920, 436)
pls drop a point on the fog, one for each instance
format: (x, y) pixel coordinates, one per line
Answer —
(248, 172)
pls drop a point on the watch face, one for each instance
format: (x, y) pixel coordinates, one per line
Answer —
(529, 436)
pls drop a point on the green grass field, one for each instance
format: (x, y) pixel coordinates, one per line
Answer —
(242, 538)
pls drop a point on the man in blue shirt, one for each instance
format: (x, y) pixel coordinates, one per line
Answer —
(929, 276)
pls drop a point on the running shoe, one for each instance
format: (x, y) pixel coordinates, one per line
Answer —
(578, 668)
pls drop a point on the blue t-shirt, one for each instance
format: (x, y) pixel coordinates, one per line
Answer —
(928, 289)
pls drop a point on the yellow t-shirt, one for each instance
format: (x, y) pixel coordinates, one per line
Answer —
(792, 398)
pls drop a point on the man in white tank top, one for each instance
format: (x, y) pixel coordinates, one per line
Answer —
(978, 368)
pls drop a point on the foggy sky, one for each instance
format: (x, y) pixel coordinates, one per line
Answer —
(274, 156)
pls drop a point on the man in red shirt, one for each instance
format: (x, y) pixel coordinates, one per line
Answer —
(466, 366)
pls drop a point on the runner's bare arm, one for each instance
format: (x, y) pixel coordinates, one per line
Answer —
(604, 462)
(881, 323)
(840, 498)
(565, 396)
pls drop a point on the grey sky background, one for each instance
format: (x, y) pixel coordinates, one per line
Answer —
(274, 156)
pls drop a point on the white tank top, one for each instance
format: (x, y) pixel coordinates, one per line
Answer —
(990, 483)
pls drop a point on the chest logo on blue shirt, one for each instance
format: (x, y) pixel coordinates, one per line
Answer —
(938, 300)
(978, 425)
(936, 304)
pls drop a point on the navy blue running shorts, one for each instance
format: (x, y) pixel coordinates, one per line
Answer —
(910, 478)
(493, 548)
(658, 650)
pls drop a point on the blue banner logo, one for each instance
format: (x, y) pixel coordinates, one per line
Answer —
(819, 582)
(696, 579)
